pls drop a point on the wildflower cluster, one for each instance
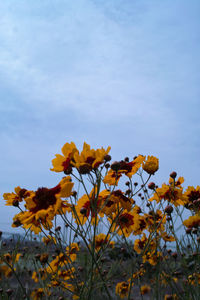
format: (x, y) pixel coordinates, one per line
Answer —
(99, 213)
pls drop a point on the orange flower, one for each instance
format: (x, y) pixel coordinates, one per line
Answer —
(102, 241)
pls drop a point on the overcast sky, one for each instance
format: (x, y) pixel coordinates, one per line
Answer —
(123, 73)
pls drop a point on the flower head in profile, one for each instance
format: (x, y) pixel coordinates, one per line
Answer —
(14, 198)
(89, 159)
(151, 165)
(63, 163)
(192, 195)
(192, 221)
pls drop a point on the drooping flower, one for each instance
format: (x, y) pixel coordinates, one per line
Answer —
(151, 165)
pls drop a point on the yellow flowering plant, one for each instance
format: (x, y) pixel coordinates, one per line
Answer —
(101, 205)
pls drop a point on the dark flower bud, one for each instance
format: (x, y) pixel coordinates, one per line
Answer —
(169, 209)
(68, 170)
(127, 183)
(126, 159)
(173, 175)
(188, 230)
(107, 157)
(135, 183)
(151, 185)
(83, 211)
(84, 169)
(115, 166)
(58, 228)
(15, 203)
(107, 166)
(174, 255)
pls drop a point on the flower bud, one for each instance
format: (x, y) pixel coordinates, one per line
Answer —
(107, 157)
(115, 166)
(83, 211)
(169, 209)
(151, 185)
(15, 203)
(173, 175)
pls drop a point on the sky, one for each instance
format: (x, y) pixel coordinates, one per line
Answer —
(119, 73)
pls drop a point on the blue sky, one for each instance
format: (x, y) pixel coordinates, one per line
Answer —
(123, 73)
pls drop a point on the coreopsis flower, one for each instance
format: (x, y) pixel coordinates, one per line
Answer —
(167, 238)
(14, 198)
(39, 293)
(71, 251)
(87, 205)
(192, 195)
(49, 239)
(123, 167)
(41, 274)
(155, 221)
(192, 221)
(122, 289)
(145, 289)
(102, 240)
(63, 163)
(125, 222)
(5, 271)
(144, 244)
(194, 279)
(89, 159)
(151, 165)
(152, 257)
(111, 201)
(172, 192)
(43, 204)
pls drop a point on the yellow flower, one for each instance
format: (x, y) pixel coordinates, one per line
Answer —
(89, 159)
(101, 241)
(43, 204)
(122, 289)
(63, 163)
(145, 289)
(193, 221)
(125, 222)
(151, 165)
(127, 168)
(14, 198)
(172, 192)
(192, 195)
